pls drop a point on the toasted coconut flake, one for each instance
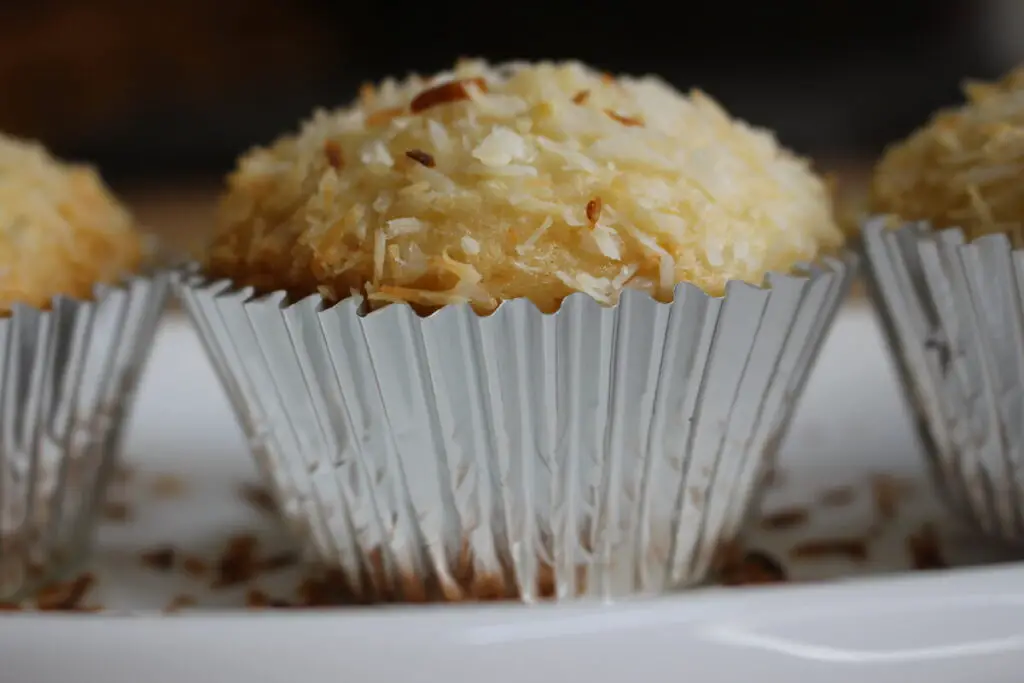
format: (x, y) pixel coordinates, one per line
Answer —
(332, 150)
(67, 596)
(629, 121)
(925, 549)
(855, 549)
(238, 562)
(754, 568)
(161, 559)
(453, 91)
(786, 518)
(196, 567)
(421, 157)
(259, 498)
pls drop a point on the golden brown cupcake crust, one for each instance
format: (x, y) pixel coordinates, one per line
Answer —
(490, 183)
(61, 231)
(965, 167)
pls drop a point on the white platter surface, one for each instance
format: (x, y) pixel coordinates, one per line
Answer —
(841, 615)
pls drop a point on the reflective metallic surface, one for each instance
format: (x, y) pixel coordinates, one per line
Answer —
(67, 377)
(954, 315)
(594, 451)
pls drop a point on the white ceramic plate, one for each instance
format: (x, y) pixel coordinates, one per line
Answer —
(959, 625)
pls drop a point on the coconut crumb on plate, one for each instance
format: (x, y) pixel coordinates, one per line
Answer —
(855, 549)
(888, 492)
(259, 498)
(162, 558)
(752, 568)
(785, 518)
(925, 549)
(195, 566)
(67, 596)
(838, 496)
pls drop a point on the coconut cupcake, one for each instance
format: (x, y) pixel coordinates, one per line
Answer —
(948, 284)
(77, 314)
(502, 332)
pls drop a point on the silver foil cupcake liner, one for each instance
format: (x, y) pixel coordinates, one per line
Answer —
(67, 378)
(593, 452)
(953, 313)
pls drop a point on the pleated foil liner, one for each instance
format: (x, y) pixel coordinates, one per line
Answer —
(953, 313)
(67, 377)
(593, 452)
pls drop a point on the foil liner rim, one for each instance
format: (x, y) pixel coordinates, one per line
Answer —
(876, 225)
(100, 290)
(189, 275)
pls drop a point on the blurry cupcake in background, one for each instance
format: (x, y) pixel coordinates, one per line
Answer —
(77, 317)
(947, 271)
(523, 331)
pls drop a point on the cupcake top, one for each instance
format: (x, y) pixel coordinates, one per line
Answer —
(965, 167)
(485, 184)
(61, 231)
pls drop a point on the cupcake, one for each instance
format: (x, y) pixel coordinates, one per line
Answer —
(947, 272)
(523, 331)
(77, 316)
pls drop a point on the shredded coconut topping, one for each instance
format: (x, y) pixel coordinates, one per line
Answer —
(965, 167)
(61, 231)
(509, 183)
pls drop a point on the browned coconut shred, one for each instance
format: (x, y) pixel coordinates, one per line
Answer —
(964, 167)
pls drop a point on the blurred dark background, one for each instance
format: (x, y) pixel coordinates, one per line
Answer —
(164, 94)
